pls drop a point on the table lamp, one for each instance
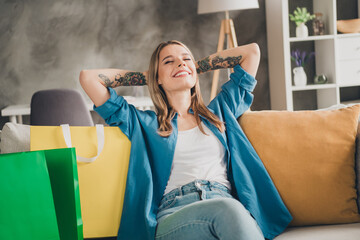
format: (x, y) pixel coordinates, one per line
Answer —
(227, 25)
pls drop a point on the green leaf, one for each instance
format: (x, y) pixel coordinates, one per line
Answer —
(301, 15)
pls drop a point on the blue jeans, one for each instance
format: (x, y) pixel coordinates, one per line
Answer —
(204, 210)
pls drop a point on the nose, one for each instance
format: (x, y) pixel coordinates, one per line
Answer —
(181, 64)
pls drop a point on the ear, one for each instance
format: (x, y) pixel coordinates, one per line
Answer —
(159, 81)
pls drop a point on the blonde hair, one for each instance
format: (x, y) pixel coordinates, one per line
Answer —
(165, 112)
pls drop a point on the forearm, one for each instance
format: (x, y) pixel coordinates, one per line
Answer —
(248, 56)
(116, 77)
(96, 81)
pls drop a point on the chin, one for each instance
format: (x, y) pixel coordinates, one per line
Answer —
(191, 85)
(189, 82)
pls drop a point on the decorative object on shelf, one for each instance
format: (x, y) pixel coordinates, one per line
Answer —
(302, 31)
(300, 78)
(320, 79)
(300, 58)
(348, 26)
(300, 17)
(318, 24)
(227, 30)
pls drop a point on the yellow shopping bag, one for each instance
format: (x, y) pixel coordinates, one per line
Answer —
(102, 179)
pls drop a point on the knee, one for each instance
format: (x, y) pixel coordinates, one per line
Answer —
(232, 217)
(231, 209)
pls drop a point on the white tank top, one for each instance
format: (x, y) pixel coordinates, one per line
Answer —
(197, 156)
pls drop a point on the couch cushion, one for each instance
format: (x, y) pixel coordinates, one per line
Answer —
(329, 232)
(15, 138)
(357, 151)
(357, 166)
(310, 157)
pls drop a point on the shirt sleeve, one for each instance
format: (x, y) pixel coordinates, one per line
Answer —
(237, 92)
(117, 112)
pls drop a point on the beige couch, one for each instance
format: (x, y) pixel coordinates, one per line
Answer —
(16, 137)
(349, 231)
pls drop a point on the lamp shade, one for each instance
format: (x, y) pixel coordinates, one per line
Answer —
(211, 6)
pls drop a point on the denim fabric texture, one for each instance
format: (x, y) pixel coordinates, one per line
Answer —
(204, 210)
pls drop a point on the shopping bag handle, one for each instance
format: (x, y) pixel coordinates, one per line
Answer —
(100, 139)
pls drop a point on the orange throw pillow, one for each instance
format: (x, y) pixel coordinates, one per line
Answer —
(310, 156)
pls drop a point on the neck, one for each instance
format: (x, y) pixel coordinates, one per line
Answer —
(180, 101)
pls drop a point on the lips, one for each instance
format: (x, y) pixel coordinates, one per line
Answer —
(181, 73)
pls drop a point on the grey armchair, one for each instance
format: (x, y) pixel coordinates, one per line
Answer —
(59, 106)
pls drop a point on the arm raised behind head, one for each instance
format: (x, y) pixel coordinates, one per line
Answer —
(95, 82)
(248, 56)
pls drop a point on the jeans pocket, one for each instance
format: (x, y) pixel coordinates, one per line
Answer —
(168, 204)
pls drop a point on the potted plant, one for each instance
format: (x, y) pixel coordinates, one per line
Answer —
(300, 17)
(300, 58)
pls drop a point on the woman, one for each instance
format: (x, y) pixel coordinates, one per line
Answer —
(192, 172)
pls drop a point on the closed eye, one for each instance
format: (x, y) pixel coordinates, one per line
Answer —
(186, 59)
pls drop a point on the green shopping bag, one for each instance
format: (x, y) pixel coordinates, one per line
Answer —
(64, 181)
(40, 196)
(26, 202)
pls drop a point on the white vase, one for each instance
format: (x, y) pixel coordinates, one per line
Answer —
(302, 31)
(300, 78)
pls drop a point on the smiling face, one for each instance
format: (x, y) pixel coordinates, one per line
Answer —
(176, 70)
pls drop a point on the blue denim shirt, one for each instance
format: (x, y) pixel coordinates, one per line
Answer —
(151, 159)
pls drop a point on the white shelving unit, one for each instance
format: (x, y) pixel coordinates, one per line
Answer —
(336, 55)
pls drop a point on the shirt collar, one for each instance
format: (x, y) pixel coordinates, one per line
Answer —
(192, 112)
